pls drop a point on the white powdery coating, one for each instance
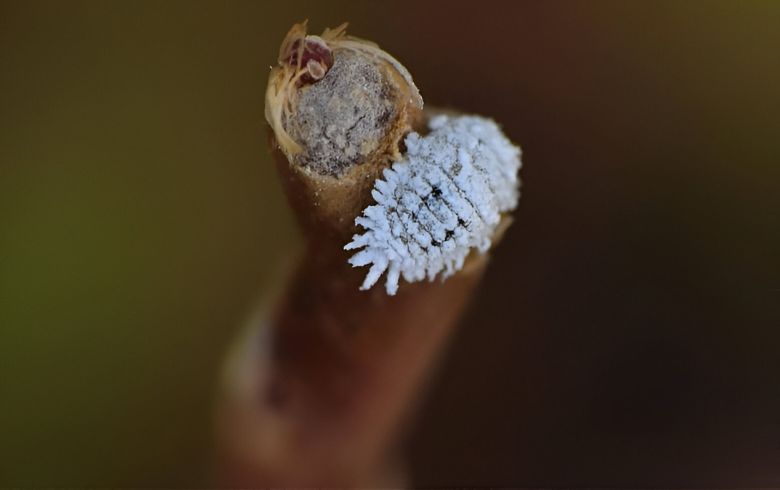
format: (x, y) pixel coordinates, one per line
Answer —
(443, 199)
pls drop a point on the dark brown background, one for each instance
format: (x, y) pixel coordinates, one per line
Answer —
(628, 331)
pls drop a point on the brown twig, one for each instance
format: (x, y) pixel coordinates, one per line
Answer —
(317, 391)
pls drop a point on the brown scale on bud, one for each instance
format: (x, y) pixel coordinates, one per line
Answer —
(312, 54)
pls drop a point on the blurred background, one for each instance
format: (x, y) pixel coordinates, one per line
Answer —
(628, 331)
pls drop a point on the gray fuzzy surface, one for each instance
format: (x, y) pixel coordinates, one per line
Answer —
(341, 119)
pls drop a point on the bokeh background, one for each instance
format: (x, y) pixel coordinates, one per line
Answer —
(628, 331)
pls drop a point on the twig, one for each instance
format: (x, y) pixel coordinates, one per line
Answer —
(317, 392)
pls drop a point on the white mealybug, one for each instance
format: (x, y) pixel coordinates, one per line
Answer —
(442, 199)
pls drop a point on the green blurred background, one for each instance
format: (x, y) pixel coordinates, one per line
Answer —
(627, 334)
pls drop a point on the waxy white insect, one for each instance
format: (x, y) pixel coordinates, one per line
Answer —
(444, 198)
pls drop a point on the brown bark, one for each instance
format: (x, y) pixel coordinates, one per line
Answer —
(340, 371)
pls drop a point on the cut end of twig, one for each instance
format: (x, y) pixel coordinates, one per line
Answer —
(336, 102)
(341, 120)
